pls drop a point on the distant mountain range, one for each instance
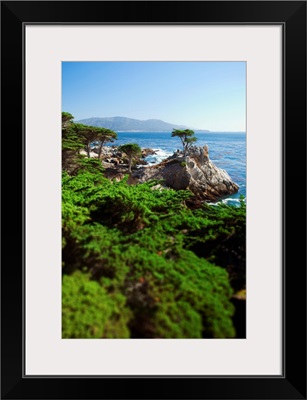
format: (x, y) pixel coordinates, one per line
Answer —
(122, 124)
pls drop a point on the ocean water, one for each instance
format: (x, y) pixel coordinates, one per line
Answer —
(226, 150)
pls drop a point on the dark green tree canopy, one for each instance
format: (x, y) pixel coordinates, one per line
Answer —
(71, 142)
(94, 135)
(66, 118)
(132, 150)
(76, 137)
(104, 135)
(85, 135)
(187, 138)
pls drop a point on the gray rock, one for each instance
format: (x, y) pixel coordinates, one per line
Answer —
(195, 172)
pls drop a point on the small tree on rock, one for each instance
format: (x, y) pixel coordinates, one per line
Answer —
(132, 150)
(187, 138)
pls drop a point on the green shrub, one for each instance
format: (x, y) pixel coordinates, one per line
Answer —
(88, 311)
(157, 282)
(139, 263)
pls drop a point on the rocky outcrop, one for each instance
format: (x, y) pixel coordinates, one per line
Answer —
(195, 172)
(148, 152)
(112, 157)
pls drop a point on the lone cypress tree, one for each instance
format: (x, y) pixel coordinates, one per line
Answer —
(187, 138)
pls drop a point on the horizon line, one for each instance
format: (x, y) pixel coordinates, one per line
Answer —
(158, 119)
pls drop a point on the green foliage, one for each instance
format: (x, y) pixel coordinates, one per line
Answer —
(187, 138)
(93, 134)
(66, 118)
(77, 137)
(178, 319)
(190, 295)
(137, 262)
(71, 143)
(88, 135)
(134, 241)
(183, 164)
(132, 150)
(91, 165)
(89, 311)
(224, 241)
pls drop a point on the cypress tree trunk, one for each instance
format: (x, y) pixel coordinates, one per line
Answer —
(99, 150)
(88, 150)
(183, 145)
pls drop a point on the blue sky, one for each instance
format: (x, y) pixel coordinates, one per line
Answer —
(200, 95)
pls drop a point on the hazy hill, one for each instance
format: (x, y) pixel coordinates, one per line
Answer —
(120, 124)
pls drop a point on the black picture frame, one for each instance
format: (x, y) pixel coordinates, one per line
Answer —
(292, 16)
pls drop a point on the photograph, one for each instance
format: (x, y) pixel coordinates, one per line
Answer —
(158, 146)
(154, 200)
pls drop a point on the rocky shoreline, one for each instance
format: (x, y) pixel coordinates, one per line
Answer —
(194, 172)
(112, 157)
